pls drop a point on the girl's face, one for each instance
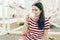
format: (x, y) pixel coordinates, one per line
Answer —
(36, 10)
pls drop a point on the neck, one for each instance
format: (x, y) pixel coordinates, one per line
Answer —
(36, 17)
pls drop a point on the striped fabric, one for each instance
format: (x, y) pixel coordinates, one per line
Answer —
(34, 33)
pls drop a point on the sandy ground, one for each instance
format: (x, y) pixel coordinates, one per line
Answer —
(9, 37)
(16, 37)
(56, 37)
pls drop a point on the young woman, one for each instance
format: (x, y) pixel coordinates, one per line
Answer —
(37, 25)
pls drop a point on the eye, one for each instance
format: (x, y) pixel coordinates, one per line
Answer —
(35, 9)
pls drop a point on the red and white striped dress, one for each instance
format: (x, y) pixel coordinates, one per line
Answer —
(34, 33)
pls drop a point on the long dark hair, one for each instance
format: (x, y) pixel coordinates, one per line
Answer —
(41, 20)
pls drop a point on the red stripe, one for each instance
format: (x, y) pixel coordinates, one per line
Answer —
(32, 27)
(47, 23)
(28, 37)
(37, 33)
(35, 30)
(41, 35)
(40, 38)
(31, 37)
(32, 20)
(46, 20)
(37, 37)
(46, 28)
(32, 24)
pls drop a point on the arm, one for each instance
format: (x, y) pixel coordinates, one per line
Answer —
(46, 35)
(46, 29)
(25, 29)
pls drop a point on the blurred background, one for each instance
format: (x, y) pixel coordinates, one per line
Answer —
(13, 15)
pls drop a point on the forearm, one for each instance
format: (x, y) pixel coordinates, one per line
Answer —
(26, 25)
(46, 36)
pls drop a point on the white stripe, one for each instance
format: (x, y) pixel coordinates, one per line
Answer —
(47, 27)
(41, 32)
(35, 37)
(33, 26)
(46, 22)
(32, 21)
(29, 36)
(35, 29)
(37, 32)
(38, 35)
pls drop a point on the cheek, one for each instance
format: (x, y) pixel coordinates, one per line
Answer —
(38, 12)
